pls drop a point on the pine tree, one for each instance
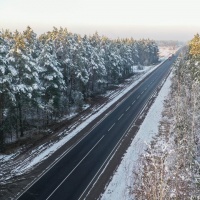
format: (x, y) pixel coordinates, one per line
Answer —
(4, 81)
(31, 42)
(194, 45)
(52, 82)
(24, 79)
(96, 66)
(58, 70)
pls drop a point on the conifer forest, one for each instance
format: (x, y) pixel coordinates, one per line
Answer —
(41, 77)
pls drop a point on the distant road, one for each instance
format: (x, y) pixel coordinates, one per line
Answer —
(75, 174)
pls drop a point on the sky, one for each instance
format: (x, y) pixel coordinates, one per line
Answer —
(154, 19)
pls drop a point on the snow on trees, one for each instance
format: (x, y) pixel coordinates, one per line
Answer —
(4, 81)
(24, 78)
(42, 77)
(52, 83)
(194, 46)
(170, 167)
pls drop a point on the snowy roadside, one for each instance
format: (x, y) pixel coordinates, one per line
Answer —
(12, 167)
(118, 187)
(68, 136)
(44, 151)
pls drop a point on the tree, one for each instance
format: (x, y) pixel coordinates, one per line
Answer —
(52, 82)
(4, 81)
(170, 167)
(42, 77)
(24, 79)
(194, 45)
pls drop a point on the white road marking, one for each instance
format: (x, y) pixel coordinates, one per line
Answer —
(110, 156)
(75, 167)
(128, 108)
(133, 102)
(142, 92)
(138, 97)
(120, 116)
(54, 163)
(111, 127)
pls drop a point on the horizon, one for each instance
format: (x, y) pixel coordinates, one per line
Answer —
(166, 20)
(135, 32)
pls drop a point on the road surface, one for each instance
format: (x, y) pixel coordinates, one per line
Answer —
(72, 177)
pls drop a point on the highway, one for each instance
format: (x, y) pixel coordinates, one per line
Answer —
(72, 177)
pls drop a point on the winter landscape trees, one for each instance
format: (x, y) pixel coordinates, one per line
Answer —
(42, 77)
(170, 168)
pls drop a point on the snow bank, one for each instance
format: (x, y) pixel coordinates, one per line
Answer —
(55, 146)
(117, 188)
(43, 152)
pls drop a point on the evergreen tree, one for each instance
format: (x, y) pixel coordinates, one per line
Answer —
(47, 75)
(4, 81)
(31, 42)
(52, 82)
(24, 76)
(194, 46)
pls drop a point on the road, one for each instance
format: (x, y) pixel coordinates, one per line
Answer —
(75, 173)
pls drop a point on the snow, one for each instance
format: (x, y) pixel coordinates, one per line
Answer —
(6, 158)
(50, 78)
(165, 52)
(139, 69)
(12, 70)
(46, 152)
(42, 152)
(118, 187)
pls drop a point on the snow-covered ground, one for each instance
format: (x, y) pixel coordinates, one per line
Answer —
(166, 51)
(43, 152)
(118, 187)
(9, 169)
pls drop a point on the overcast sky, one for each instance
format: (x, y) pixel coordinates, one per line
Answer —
(155, 19)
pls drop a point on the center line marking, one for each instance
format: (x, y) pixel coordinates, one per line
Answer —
(127, 108)
(133, 102)
(120, 116)
(138, 97)
(111, 127)
(74, 168)
(142, 92)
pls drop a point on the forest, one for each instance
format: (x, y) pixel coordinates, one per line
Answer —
(170, 167)
(41, 77)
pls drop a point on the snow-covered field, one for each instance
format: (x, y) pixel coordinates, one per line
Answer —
(118, 187)
(11, 169)
(165, 51)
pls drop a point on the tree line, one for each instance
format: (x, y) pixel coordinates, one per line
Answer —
(170, 167)
(42, 76)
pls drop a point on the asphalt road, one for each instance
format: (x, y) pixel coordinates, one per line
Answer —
(73, 176)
